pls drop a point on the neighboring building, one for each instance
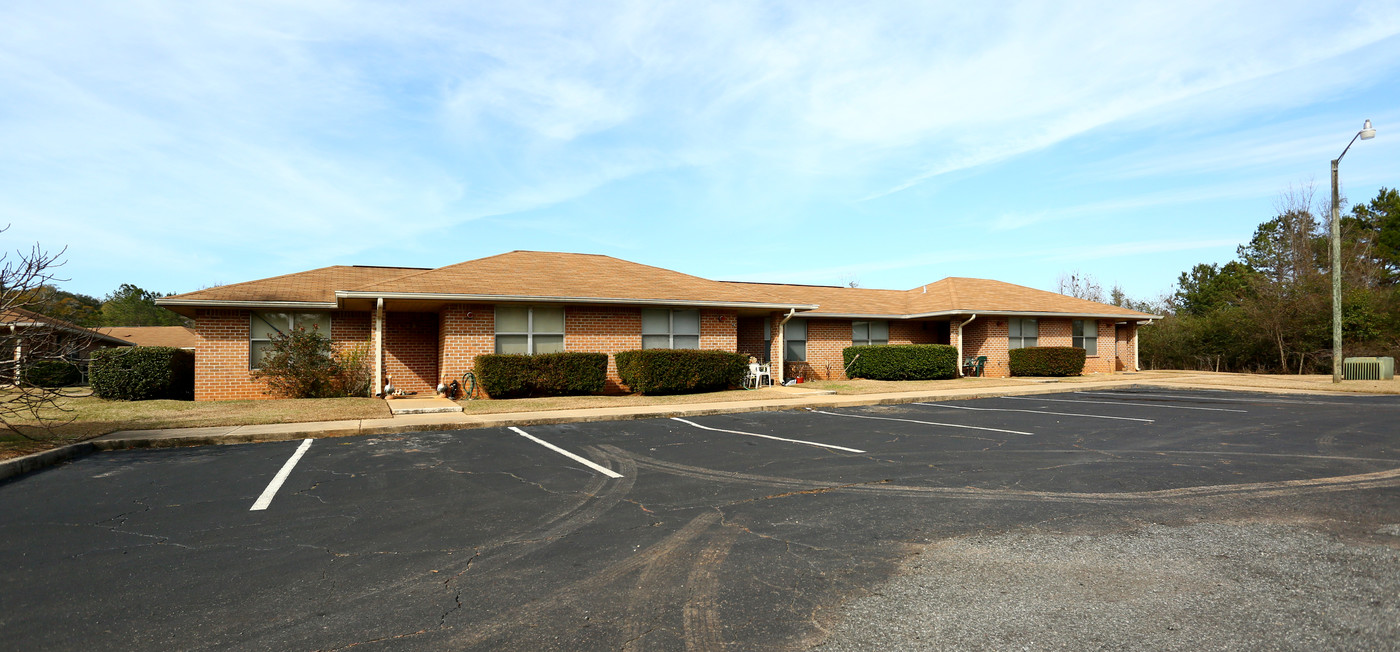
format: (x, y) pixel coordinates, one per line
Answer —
(30, 337)
(180, 337)
(426, 326)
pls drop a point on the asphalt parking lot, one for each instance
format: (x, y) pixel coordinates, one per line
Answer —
(1027, 522)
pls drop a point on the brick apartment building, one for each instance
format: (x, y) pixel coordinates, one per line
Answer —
(426, 326)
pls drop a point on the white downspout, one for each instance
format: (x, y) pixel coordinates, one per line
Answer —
(378, 348)
(960, 343)
(782, 345)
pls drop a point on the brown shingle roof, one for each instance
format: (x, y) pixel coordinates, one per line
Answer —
(317, 285)
(984, 295)
(950, 295)
(568, 276)
(21, 317)
(176, 336)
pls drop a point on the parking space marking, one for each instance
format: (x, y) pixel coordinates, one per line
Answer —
(1062, 414)
(596, 467)
(754, 434)
(266, 498)
(1188, 397)
(927, 423)
(1153, 405)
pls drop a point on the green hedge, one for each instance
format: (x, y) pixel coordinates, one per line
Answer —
(680, 371)
(544, 374)
(138, 373)
(902, 361)
(1047, 361)
(52, 373)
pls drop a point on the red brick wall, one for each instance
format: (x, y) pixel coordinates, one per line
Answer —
(750, 338)
(464, 332)
(1104, 361)
(988, 336)
(607, 330)
(222, 347)
(1124, 335)
(411, 350)
(595, 329)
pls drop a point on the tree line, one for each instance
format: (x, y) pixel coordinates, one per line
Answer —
(128, 305)
(1270, 309)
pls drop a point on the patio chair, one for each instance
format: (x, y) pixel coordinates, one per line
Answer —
(758, 376)
(974, 366)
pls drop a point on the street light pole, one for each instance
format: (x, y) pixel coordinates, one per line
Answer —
(1366, 133)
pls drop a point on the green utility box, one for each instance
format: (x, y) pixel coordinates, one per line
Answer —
(1368, 368)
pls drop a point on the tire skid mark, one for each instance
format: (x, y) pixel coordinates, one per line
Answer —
(595, 503)
(584, 590)
(701, 613)
(1372, 480)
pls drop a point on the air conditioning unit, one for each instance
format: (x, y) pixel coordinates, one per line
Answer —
(1368, 368)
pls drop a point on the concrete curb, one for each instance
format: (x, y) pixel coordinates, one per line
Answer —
(218, 435)
(21, 465)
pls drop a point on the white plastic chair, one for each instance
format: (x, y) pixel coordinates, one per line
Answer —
(759, 375)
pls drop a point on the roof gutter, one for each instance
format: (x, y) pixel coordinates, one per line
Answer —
(511, 298)
(989, 313)
(960, 344)
(782, 344)
(210, 303)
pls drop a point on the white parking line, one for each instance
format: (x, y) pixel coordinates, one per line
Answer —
(1062, 414)
(927, 423)
(601, 469)
(754, 434)
(1188, 397)
(1154, 405)
(266, 498)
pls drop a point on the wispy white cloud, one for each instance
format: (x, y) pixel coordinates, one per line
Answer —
(299, 133)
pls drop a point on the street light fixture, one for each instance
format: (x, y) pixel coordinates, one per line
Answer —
(1367, 133)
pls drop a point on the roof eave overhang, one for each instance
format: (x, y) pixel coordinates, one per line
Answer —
(998, 313)
(505, 298)
(210, 303)
(76, 330)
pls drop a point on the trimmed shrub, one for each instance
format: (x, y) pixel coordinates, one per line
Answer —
(138, 373)
(300, 364)
(542, 374)
(52, 373)
(902, 361)
(680, 371)
(1047, 361)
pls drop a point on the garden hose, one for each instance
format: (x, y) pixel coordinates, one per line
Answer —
(469, 386)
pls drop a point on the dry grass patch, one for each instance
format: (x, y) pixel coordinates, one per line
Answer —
(1309, 382)
(82, 417)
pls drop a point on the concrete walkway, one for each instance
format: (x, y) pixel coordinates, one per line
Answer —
(790, 398)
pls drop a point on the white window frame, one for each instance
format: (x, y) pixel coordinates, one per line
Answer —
(530, 331)
(788, 340)
(671, 333)
(1019, 341)
(1081, 341)
(869, 325)
(254, 315)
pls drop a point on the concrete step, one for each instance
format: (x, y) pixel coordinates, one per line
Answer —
(433, 405)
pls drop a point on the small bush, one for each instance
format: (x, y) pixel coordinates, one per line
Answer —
(138, 373)
(902, 362)
(300, 364)
(543, 374)
(680, 371)
(52, 373)
(1047, 361)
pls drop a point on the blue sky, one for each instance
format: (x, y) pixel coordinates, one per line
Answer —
(179, 145)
